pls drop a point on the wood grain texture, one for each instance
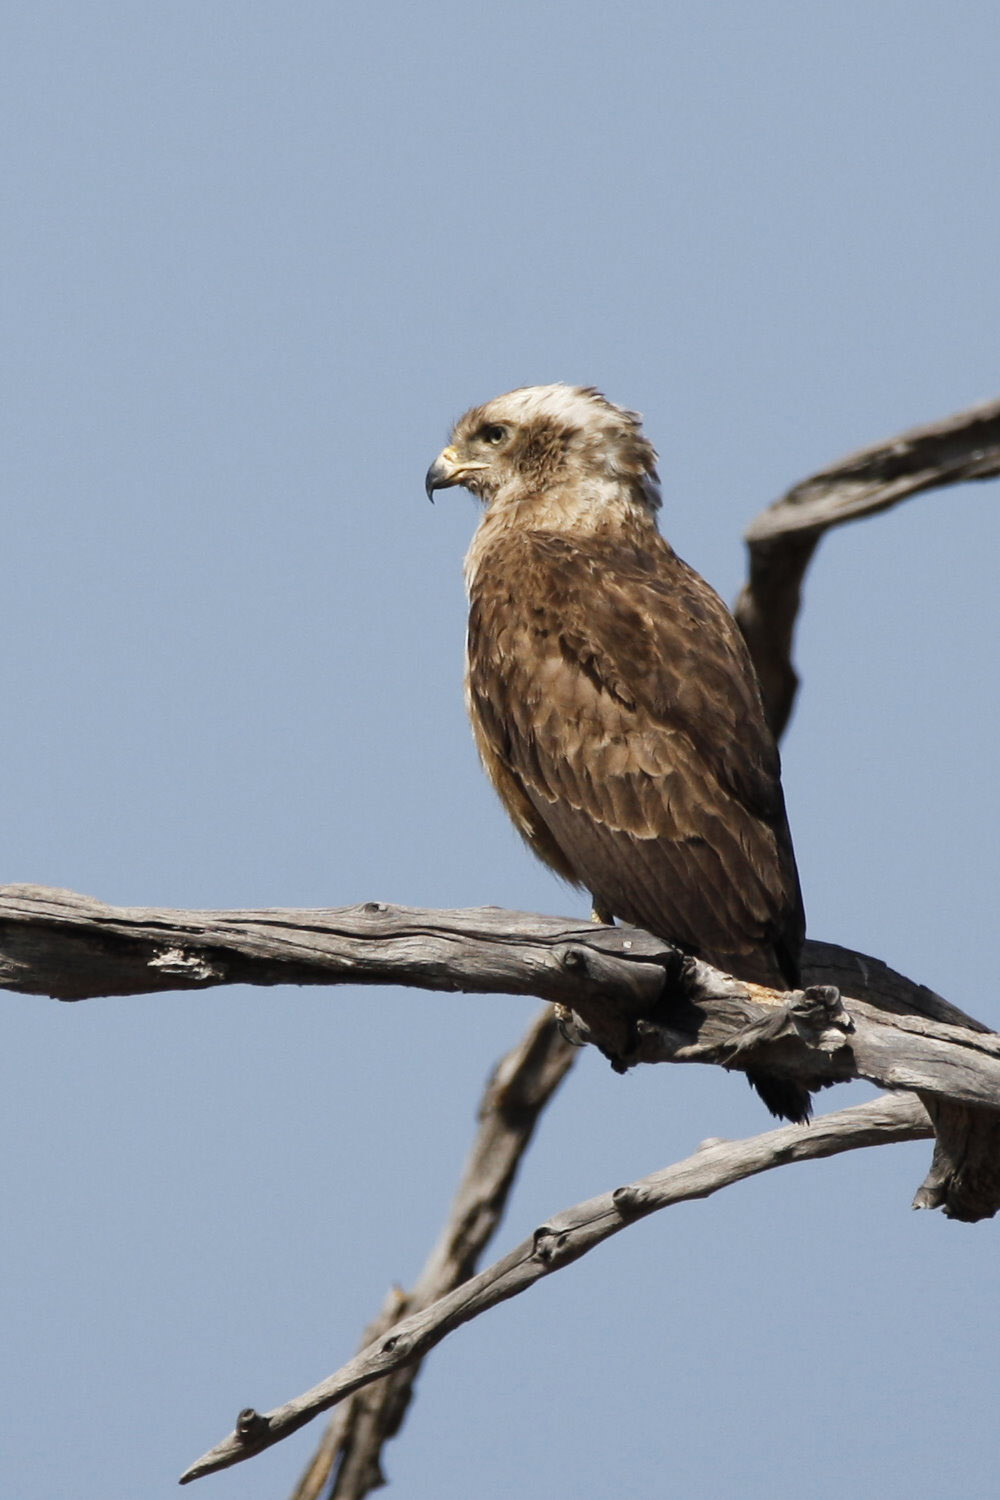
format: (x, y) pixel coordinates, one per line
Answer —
(629, 993)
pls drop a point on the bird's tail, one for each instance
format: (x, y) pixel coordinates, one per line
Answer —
(787, 1100)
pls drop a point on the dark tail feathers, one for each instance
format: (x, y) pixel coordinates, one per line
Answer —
(787, 1100)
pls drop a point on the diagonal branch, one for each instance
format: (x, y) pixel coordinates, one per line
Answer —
(518, 1091)
(783, 538)
(564, 1238)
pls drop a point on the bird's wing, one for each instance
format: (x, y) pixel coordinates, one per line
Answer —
(612, 687)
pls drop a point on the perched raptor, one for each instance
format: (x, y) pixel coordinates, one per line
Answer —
(612, 698)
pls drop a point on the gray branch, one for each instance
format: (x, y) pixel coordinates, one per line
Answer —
(784, 537)
(564, 1238)
(635, 997)
(347, 1457)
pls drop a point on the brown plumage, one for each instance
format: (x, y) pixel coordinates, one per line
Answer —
(612, 698)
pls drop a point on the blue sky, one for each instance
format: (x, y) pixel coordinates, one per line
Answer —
(257, 258)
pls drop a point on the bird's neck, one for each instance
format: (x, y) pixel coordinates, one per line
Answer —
(614, 510)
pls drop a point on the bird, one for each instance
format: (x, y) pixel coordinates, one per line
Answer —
(612, 697)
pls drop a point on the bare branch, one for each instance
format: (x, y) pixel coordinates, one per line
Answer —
(783, 538)
(564, 1238)
(623, 985)
(635, 997)
(521, 1086)
(348, 1455)
(58, 943)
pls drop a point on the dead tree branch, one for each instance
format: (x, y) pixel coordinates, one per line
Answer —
(564, 1238)
(783, 538)
(635, 997)
(348, 1455)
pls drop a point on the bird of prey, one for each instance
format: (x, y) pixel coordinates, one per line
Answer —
(612, 697)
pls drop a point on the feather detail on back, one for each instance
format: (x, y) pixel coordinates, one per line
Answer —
(614, 706)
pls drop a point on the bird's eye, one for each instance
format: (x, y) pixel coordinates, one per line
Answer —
(494, 434)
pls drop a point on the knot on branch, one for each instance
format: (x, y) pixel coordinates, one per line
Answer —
(550, 1247)
(397, 1344)
(575, 959)
(628, 1200)
(250, 1425)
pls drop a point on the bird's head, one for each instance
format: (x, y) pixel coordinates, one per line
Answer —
(546, 438)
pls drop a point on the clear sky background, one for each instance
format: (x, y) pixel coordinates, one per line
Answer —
(258, 257)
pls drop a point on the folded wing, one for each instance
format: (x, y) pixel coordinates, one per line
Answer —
(617, 712)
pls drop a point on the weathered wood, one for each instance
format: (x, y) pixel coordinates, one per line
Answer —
(964, 1174)
(72, 947)
(783, 538)
(515, 1096)
(562, 1239)
(634, 996)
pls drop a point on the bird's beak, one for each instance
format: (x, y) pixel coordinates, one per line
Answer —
(447, 470)
(442, 473)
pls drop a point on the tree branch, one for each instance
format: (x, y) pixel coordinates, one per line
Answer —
(564, 1238)
(521, 1086)
(635, 997)
(783, 538)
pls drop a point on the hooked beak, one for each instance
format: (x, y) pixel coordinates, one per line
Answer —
(447, 470)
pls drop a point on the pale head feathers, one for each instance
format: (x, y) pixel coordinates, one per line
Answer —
(556, 448)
